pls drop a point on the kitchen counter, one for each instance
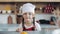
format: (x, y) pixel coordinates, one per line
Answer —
(11, 29)
(48, 26)
(13, 32)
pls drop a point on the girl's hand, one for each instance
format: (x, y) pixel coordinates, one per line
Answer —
(19, 30)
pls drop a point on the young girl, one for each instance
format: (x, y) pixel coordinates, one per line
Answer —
(28, 22)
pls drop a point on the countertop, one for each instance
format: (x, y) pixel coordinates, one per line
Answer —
(13, 27)
(13, 32)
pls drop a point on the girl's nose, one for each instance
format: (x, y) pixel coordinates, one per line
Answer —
(28, 16)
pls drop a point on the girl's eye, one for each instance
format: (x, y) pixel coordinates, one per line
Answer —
(30, 14)
(27, 13)
(24, 13)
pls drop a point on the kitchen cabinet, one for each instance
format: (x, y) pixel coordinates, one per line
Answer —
(6, 8)
(15, 6)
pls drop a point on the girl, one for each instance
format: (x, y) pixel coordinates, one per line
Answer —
(28, 22)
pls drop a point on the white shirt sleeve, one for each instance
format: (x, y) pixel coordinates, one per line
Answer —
(20, 26)
(37, 26)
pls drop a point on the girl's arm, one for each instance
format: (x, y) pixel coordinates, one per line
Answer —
(19, 29)
(37, 27)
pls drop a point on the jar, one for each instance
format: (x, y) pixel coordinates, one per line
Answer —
(3, 11)
(9, 11)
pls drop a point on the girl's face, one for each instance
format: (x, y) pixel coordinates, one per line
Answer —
(28, 17)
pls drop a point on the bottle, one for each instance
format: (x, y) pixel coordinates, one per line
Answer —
(9, 11)
(3, 11)
(9, 19)
(0, 11)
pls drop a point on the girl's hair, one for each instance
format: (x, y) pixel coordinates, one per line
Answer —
(18, 16)
(33, 22)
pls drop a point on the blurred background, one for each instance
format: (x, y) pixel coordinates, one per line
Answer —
(45, 14)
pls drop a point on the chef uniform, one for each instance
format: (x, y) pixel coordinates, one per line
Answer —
(28, 7)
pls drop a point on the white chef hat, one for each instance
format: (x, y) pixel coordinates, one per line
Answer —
(28, 7)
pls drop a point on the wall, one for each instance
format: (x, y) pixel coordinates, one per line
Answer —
(43, 16)
(4, 18)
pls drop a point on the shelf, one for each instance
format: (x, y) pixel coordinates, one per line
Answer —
(7, 14)
(29, 1)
